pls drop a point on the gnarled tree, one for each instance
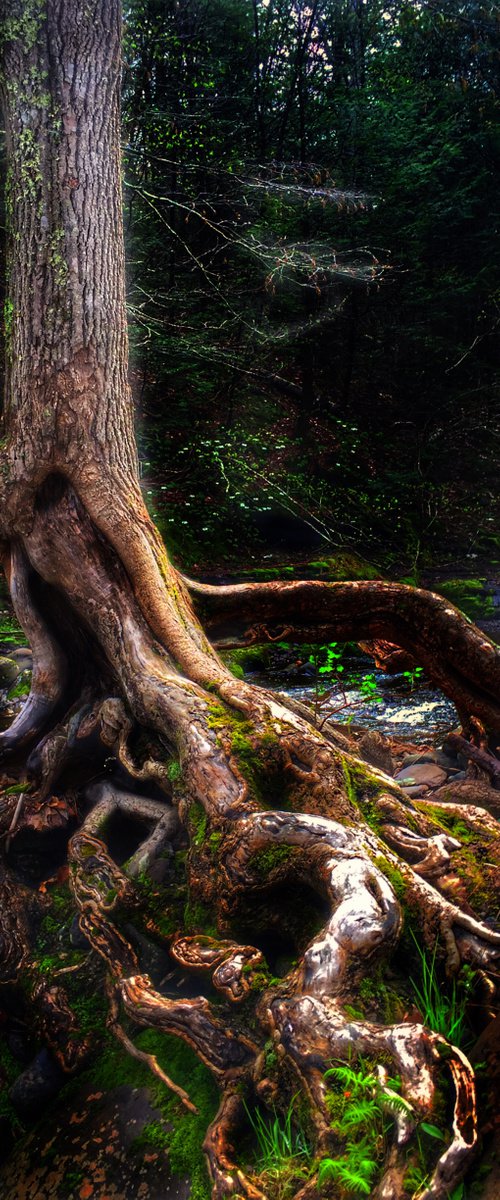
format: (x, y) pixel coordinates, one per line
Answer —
(271, 806)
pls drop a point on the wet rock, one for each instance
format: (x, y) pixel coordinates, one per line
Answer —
(23, 656)
(374, 748)
(428, 756)
(448, 762)
(20, 1044)
(76, 937)
(427, 774)
(153, 961)
(36, 1086)
(9, 671)
(162, 870)
(88, 1149)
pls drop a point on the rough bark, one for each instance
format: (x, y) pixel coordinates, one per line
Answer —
(120, 656)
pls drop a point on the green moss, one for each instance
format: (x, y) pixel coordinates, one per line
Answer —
(8, 317)
(177, 1131)
(21, 688)
(9, 1070)
(375, 994)
(25, 27)
(261, 980)
(414, 1179)
(247, 658)
(393, 875)
(90, 1010)
(469, 595)
(265, 861)
(253, 753)
(362, 787)
(197, 823)
(199, 918)
(345, 565)
(353, 1013)
(445, 820)
(349, 783)
(87, 851)
(16, 789)
(174, 771)
(482, 894)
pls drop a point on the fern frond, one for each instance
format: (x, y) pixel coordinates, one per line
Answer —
(396, 1103)
(352, 1180)
(360, 1112)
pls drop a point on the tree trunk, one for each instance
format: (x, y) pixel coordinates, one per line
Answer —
(270, 809)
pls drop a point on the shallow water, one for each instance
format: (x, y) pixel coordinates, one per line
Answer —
(423, 714)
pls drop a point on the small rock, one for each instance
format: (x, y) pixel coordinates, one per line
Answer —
(415, 791)
(154, 961)
(448, 762)
(425, 773)
(162, 870)
(9, 671)
(375, 749)
(37, 1085)
(411, 759)
(77, 938)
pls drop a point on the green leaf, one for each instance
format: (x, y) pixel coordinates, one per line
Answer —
(432, 1130)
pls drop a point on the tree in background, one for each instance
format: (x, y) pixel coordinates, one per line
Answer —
(311, 201)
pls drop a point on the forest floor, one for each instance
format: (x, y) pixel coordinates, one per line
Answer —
(110, 1135)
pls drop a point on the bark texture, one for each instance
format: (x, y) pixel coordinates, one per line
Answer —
(272, 813)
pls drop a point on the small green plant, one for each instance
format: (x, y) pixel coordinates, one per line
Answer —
(330, 688)
(369, 689)
(277, 1137)
(364, 1106)
(444, 1011)
(413, 676)
(283, 1154)
(327, 664)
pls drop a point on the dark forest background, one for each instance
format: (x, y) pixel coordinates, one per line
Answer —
(311, 208)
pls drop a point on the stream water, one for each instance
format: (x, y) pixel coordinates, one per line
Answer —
(420, 713)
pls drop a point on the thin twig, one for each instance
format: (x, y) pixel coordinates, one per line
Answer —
(149, 1059)
(15, 819)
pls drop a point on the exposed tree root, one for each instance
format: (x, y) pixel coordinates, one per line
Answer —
(456, 656)
(269, 808)
(149, 1059)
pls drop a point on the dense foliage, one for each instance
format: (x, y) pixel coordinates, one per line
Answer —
(310, 191)
(310, 207)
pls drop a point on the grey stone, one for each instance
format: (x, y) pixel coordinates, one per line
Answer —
(374, 748)
(411, 759)
(37, 1085)
(426, 773)
(448, 762)
(9, 671)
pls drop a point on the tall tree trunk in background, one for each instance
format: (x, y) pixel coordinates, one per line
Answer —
(117, 648)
